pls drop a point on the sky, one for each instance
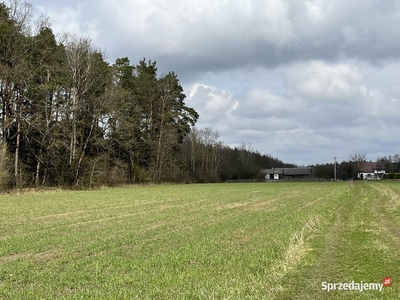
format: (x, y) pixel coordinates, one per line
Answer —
(303, 81)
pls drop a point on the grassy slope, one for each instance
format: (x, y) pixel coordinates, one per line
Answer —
(219, 241)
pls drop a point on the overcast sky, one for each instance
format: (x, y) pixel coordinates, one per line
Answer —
(303, 81)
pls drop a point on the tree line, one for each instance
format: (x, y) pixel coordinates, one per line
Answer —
(349, 169)
(69, 118)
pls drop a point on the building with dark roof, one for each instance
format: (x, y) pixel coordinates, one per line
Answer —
(287, 173)
(371, 171)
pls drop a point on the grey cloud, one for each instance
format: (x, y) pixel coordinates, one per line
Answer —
(192, 38)
(218, 35)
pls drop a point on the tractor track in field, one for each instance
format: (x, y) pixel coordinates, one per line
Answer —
(382, 205)
(327, 266)
(366, 215)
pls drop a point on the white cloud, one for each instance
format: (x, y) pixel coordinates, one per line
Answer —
(65, 19)
(315, 10)
(212, 104)
(319, 80)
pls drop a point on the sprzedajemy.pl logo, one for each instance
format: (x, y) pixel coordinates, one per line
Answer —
(356, 286)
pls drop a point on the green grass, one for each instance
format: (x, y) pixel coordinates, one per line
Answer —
(217, 241)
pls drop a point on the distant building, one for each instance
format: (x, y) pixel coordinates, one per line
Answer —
(371, 171)
(287, 173)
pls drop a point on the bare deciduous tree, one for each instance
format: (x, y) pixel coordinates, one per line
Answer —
(358, 158)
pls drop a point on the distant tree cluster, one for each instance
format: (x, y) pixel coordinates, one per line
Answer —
(344, 171)
(244, 162)
(69, 118)
(349, 169)
(391, 163)
(209, 160)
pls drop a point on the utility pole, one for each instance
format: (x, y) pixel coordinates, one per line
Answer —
(334, 167)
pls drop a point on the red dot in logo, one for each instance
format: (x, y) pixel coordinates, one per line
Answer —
(387, 281)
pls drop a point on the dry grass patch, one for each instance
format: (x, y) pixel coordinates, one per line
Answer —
(295, 251)
(37, 257)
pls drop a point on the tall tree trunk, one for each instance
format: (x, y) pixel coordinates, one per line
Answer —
(159, 165)
(37, 174)
(16, 162)
(17, 142)
(83, 154)
(74, 128)
(3, 165)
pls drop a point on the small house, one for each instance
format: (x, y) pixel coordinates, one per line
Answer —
(371, 171)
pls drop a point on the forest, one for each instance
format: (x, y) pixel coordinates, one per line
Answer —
(69, 118)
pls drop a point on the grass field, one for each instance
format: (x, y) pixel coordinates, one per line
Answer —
(217, 241)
